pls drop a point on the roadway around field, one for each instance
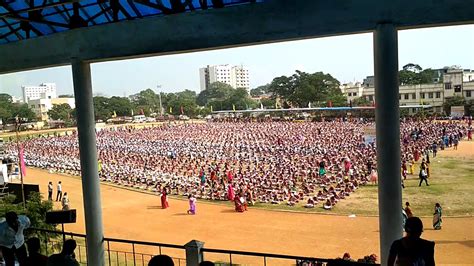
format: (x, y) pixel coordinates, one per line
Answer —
(138, 216)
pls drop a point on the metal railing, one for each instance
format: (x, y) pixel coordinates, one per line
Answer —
(257, 258)
(132, 252)
(117, 251)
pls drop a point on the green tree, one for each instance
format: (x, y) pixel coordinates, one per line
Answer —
(36, 210)
(413, 74)
(260, 90)
(146, 100)
(66, 96)
(102, 108)
(122, 106)
(453, 101)
(23, 111)
(185, 101)
(268, 103)
(215, 95)
(60, 112)
(361, 101)
(302, 88)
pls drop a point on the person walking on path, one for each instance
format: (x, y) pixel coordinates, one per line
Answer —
(192, 204)
(423, 177)
(437, 217)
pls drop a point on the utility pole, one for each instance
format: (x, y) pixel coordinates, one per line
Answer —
(159, 96)
(17, 129)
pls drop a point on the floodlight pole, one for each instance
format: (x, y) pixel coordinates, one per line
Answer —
(387, 117)
(81, 74)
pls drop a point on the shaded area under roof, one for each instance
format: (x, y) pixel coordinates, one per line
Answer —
(25, 19)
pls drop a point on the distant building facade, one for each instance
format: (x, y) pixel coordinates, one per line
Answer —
(46, 90)
(41, 106)
(235, 76)
(455, 82)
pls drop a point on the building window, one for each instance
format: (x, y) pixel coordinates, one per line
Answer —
(422, 95)
(438, 94)
(457, 88)
(430, 95)
(354, 94)
(371, 98)
(406, 96)
(447, 86)
(413, 96)
(399, 96)
(468, 93)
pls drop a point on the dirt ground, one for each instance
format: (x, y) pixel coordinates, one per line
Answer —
(137, 216)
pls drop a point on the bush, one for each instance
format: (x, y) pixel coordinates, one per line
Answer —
(36, 210)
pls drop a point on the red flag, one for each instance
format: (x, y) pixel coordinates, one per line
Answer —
(182, 110)
(330, 103)
(22, 162)
(141, 111)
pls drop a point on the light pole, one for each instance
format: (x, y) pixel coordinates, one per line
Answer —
(17, 129)
(159, 97)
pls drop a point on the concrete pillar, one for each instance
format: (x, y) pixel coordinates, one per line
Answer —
(194, 255)
(387, 117)
(81, 74)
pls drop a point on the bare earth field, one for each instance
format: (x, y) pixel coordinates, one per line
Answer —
(138, 216)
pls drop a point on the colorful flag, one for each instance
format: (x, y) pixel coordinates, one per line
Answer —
(309, 105)
(132, 112)
(182, 110)
(329, 103)
(141, 112)
(233, 107)
(22, 162)
(115, 114)
(261, 106)
(171, 109)
(99, 165)
(211, 108)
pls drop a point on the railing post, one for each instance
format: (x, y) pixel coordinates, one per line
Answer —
(194, 254)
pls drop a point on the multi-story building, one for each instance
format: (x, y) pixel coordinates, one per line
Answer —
(41, 106)
(235, 76)
(456, 82)
(47, 90)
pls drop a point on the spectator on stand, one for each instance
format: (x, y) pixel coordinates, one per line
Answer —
(411, 249)
(12, 240)
(35, 258)
(66, 257)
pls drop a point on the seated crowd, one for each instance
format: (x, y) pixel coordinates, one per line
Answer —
(298, 164)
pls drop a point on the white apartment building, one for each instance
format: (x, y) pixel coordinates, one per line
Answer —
(456, 82)
(235, 76)
(46, 90)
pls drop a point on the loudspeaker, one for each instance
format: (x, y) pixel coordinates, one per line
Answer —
(61, 217)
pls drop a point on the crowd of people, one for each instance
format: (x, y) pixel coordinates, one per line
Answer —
(16, 251)
(306, 164)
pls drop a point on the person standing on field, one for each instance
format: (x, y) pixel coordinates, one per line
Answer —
(59, 195)
(50, 191)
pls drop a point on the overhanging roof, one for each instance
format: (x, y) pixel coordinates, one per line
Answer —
(26, 19)
(246, 24)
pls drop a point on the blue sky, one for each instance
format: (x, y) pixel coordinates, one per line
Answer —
(348, 58)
